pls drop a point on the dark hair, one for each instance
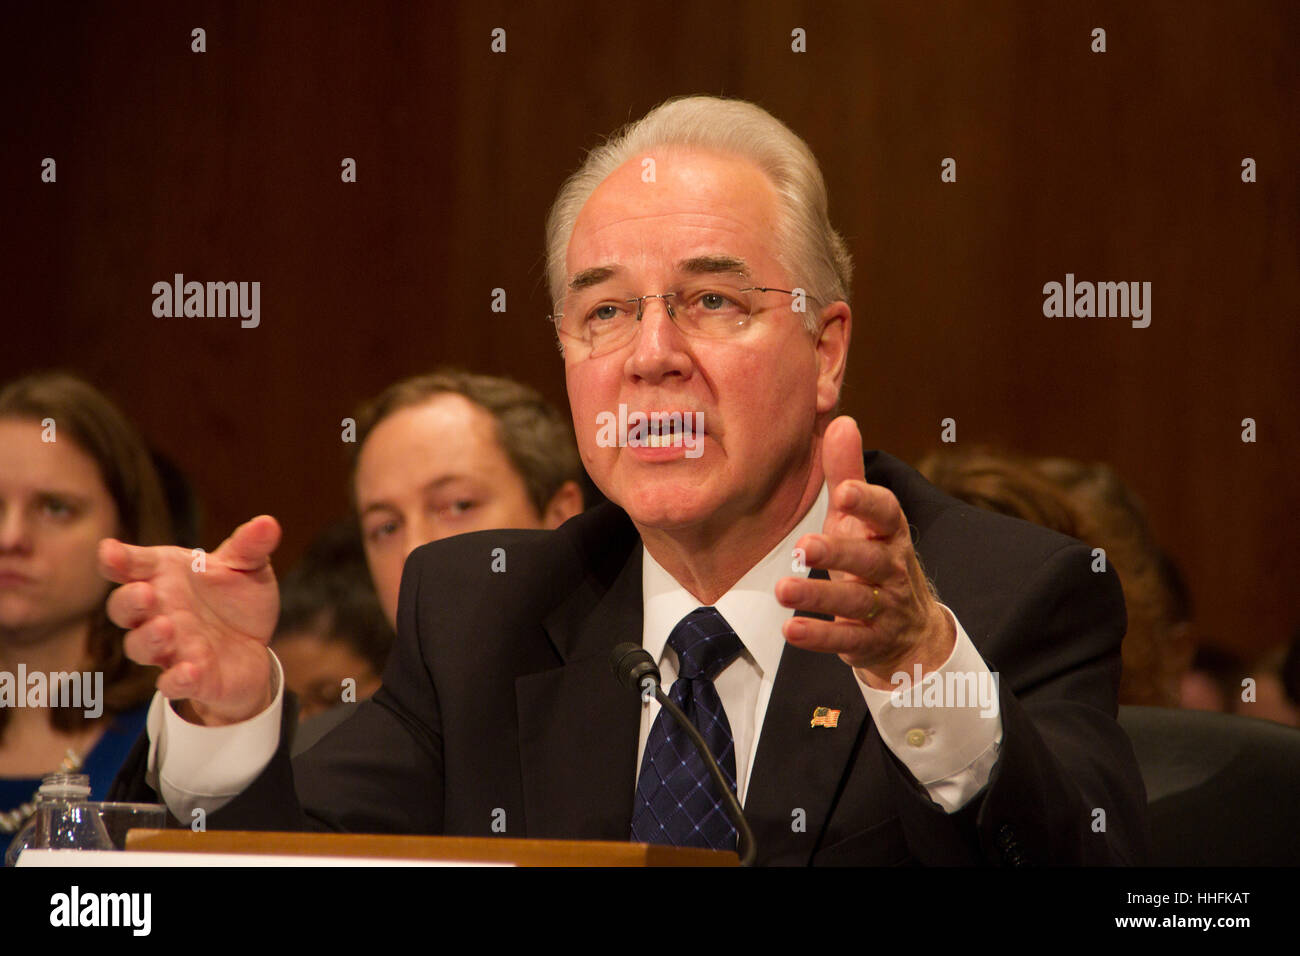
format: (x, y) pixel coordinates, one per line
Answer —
(536, 438)
(83, 414)
(1223, 667)
(329, 592)
(1290, 670)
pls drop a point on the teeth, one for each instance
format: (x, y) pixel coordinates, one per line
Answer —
(663, 441)
(665, 430)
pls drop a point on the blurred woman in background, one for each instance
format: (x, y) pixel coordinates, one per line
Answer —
(72, 471)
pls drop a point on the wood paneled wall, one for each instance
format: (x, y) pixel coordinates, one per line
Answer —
(1123, 165)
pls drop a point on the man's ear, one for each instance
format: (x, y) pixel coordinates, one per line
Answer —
(836, 323)
(564, 504)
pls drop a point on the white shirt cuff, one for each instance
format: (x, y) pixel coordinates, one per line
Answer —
(947, 729)
(204, 768)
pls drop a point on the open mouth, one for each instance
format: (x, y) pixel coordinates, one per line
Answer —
(673, 429)
(657, 429)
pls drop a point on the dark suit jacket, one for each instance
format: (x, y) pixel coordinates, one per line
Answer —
(499, 707)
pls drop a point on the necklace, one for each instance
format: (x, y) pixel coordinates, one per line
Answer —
(10, 822)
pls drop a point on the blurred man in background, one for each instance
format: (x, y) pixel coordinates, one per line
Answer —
(436, 455)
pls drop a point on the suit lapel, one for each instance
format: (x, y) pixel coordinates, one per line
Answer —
(577, 726)
(799, 766)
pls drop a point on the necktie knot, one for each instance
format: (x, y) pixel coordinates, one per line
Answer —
(705, 644)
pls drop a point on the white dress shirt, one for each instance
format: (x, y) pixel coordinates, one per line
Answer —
(950, 750)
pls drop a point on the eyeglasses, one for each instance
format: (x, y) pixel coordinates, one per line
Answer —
(596, 321)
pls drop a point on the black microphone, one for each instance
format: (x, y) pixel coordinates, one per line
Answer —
(636, 670)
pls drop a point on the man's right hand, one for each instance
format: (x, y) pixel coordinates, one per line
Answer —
(206, 627)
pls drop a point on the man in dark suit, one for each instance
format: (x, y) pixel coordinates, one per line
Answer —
(699, 284)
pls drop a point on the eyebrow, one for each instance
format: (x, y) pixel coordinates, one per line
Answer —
(375, 506)
(437, 484)
(707, 265)
(696, 265)
(67, 497)
(589, 277)
(51, 491)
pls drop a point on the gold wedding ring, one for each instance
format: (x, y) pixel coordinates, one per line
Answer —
(875, 604)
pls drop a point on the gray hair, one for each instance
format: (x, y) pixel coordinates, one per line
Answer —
(808, 247)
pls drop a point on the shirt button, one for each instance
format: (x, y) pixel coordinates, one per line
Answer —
(916, 737)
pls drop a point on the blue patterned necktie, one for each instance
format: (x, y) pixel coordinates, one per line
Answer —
(677, 801)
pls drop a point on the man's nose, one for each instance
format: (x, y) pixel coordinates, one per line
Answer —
(660, 347)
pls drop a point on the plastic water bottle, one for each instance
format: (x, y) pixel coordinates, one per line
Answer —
(64, 819)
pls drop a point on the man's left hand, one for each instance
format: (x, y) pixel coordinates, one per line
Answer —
(886, 618)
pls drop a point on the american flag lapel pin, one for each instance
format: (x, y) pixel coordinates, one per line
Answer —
(825, 717)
